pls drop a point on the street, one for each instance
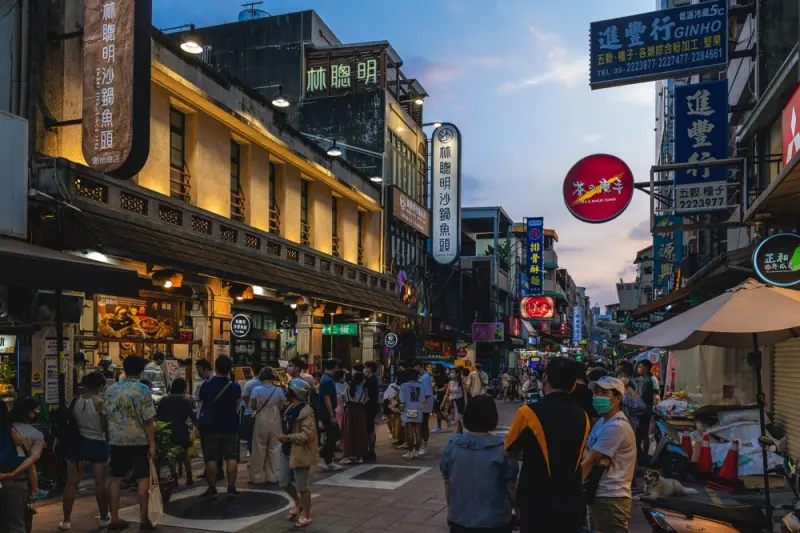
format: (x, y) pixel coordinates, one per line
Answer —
(392, 494)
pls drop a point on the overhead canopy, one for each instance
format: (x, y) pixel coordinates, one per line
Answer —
(26, 265)
(751, 313)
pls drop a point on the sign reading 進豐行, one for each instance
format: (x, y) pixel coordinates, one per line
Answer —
(446, 194)
(534, 258)
(701, 134)
(667, 253)
(658, 44)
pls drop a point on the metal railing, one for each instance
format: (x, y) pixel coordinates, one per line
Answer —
(274, 220)
(238, 209)
(335, 245)
(180, 188)
(305, 234)
(360, 255)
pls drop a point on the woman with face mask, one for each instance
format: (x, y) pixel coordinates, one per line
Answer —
(612, 445)
(454, 397)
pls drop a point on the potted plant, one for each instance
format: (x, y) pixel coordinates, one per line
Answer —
(166, 453)
(7, 374)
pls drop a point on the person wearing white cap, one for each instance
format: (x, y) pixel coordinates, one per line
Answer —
(609, 461)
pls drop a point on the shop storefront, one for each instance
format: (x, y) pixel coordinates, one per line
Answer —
(785, 385)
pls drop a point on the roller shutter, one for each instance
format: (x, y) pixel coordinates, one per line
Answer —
(786, 380)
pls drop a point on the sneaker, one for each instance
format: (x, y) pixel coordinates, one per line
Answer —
(64, 526)
(38, 496)
(346, 461)
(437, 430)
(334, 466)
(423, 450)
(409, 454)
(104, 522)
(323, 465)
(403, 446)
(232, 491)
(210, 493)
(360, 461)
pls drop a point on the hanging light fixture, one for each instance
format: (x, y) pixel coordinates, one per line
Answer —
(280, 100)
(334, 151)
(168, 279)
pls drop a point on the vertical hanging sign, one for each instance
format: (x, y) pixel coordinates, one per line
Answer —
(116, 85)
(446, 195)
(534, 256)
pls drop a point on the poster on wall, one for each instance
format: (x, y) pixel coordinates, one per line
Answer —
(446, 194)
(534, 256)
(116, 85)
(667, 254)
(136, 318)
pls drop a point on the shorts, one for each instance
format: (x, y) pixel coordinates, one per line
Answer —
(458, 409)
(296, 476)
(127, 458)
(216, 445)
(89, 450)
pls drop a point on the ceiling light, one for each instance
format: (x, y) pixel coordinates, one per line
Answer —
(293, 306)
(191, 46)
(169, 279)
(334, 151)
(376, 179)
(168, 284)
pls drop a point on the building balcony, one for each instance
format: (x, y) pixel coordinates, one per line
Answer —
(554, 289)
(97, 194)
(550, 259)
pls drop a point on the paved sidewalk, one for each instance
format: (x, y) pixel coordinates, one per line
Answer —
(412, 499)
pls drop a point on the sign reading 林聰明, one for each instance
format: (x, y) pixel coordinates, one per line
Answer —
(340, 76)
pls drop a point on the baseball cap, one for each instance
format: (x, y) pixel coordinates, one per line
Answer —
(608, 383)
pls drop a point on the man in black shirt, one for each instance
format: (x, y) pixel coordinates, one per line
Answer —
(550, 436)
(373, 405)
(647, 393)
(581, 393)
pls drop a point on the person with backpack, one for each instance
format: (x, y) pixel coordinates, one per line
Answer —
(266, 402)
(177, 409)
(87, 446)
(219, 425)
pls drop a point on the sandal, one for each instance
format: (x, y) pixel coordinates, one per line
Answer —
(294, 513)
(303, 522)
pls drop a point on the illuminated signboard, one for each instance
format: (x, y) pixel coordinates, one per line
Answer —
(598, 188)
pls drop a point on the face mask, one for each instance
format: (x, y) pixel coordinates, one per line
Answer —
(453, 377)
(625, 379)
(601, 404)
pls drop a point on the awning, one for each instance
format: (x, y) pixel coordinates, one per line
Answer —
(37, 267)
(781, 195)
(529, 328)
(141, 243)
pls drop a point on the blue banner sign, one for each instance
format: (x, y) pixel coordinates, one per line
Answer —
(667, 254)
(701, 134)
(659, 44)
(524, 285)
(535, 256)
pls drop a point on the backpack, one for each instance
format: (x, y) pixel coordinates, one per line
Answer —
(66, 428)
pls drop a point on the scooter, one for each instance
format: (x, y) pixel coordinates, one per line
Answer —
(668, 455)
(688, 515)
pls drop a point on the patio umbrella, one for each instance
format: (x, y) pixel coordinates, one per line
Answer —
(749, 315)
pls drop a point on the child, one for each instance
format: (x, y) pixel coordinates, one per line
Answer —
(411, 398)
(299, 450)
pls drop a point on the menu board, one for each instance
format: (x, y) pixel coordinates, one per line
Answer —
(51, 380)
(136, 318)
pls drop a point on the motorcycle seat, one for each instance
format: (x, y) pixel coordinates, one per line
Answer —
(736, 514)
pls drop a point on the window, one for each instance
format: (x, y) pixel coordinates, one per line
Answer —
(407, 170)
(361, 238)
(237, 198)
(305, 228)
(274, 211)
(335, 226)
(179, 179)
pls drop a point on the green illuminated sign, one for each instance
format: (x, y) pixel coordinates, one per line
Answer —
(340, 329)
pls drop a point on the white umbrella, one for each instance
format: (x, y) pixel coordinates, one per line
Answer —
(749, 315)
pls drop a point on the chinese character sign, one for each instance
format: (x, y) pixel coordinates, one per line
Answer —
(341, 77)
(446, 194)
(577, 324)
(790, 123)
(659, 44)
(667, 253)
(116, 85)
(701, 130)
(777, 260)
(598, 188)
(534, 256)
(537, 307)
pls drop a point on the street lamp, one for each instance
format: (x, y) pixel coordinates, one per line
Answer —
(434, 124)
(334, 151)
(190, 43)
(280, 100)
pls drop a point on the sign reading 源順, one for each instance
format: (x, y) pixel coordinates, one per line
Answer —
(701, 134)
(598, 188)
(537, 307)
(488, 332)
(777, 260)
(790, 122)
(116, 85)
(350, 328)
(446, 194)
(240, 325)
(534, 257)
(410, 212)
(658, 44)
(667, 254)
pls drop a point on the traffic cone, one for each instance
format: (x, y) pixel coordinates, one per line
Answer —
(705, 463)
(686, 444)
(728, 478)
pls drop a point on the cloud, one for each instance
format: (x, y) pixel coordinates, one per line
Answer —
(641, 232)
(434, 73)
(562, 66)
(643, 94)
(592, 138)
(490, 61)
(627, 271)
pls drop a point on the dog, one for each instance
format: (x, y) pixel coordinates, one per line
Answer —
(657, 486)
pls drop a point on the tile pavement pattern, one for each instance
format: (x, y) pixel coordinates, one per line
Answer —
(417, 505)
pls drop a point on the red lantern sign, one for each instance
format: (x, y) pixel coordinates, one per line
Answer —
(598, 188)
(537, 307)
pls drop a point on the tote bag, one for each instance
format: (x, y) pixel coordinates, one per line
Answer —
(155, 507)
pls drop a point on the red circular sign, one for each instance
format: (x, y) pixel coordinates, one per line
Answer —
(598, 188)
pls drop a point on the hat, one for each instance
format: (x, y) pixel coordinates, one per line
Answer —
(608, 383)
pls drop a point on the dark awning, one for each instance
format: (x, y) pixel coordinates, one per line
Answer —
(141, 243)
(781, 195)
(26, 265)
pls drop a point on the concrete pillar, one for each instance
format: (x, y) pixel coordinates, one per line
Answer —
(210, 317)
(369, 336)
(309, 334)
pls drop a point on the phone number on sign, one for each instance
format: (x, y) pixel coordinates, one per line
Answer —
(667, 61)
(701, 203)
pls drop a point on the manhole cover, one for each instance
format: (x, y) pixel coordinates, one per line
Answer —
(391, 474)
(223, 507)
